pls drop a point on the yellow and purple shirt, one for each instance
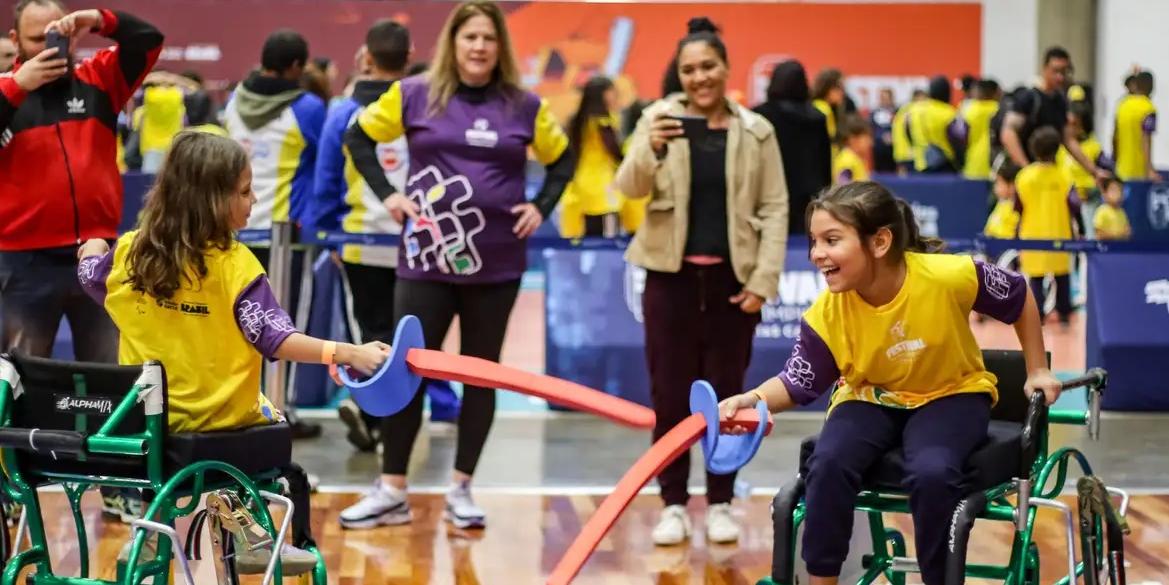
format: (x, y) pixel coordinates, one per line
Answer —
(210, 336)
(913, 350)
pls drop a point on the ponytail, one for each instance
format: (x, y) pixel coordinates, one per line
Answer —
(914, 241)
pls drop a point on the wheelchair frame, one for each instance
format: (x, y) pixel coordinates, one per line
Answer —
(888, 557)
(192, 481)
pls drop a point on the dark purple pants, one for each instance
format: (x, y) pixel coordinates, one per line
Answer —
(936, 438)
(693, 332)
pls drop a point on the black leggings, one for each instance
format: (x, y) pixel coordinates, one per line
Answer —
(483, 311)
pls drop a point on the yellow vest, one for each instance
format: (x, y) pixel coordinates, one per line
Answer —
(1135, 116)
(1084, 181)
(977, 115)
(928, 122)
(1043, 189)
(212, 370)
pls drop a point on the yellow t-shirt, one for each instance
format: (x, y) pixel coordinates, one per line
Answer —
(1111, 223)
(1043, 190)
(1135, 116)
(919, 346)
(826, 108)
(978, 114)
(902, 150)
(162, 117)
(848, 166)
(929, 120)
(1084, 181)
(1003, 222)
(590, 192)
(212, 369)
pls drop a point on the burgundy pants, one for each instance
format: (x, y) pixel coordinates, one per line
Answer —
(693, 332)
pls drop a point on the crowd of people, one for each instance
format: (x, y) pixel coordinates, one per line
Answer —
(710, 189)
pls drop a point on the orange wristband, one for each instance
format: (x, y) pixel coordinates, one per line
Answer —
(758, 394)
(328, 352)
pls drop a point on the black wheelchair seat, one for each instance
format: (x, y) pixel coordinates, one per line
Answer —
(995, 462)
(253, 450)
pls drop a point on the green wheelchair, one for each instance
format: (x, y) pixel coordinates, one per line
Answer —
(81, 425)
(1012, 475)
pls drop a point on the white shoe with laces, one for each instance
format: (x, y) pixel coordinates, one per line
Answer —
(461, 509)
(673, 527)
(721, 526)
(381, 506)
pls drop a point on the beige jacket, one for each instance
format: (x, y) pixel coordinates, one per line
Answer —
(757, 200)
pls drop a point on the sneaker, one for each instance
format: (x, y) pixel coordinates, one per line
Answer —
(148, 553)
(359, 434)
(673, 527)
(461, 510)
(124, 505)
(12, 511)
(721, 526)
(293, 561)
(381, 506)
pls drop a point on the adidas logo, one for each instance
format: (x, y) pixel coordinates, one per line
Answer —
(75, 106)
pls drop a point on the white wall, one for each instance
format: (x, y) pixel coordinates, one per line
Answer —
(1010, 41)
(1132, 31)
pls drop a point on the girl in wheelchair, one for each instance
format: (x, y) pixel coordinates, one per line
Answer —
(892, 337)
(184, 292)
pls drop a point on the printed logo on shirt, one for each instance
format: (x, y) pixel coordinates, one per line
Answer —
(69, 404)
(253, 319)
(75, 106)
(905, 349)
(1157, 292)
(996, 282)
(5, 138)
(195, 309)
(443, 237)
(481, 134)
(799, 370)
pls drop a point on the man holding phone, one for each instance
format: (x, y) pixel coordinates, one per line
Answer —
(61, 184)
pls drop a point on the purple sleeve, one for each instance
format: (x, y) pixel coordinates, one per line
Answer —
(92, 273)
(261, 319)
(845, 176)
(1149, 124)
(956, 132)
(1001, 294)
(811, 370)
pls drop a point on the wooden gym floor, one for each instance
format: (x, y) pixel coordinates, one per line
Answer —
(528, 534)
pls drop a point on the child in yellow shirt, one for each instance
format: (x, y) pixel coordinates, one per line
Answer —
(892, 336)
(1003, 222)
(1050, 205)
(849, 164)
(1110, 221)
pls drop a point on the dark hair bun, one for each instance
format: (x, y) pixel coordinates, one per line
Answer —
(700, 24)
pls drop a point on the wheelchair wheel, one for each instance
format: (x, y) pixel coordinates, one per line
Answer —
(1031, 565)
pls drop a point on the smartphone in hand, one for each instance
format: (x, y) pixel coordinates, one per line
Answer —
(61, 42)
(694, 128)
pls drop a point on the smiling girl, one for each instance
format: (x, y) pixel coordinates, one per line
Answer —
(891, 339)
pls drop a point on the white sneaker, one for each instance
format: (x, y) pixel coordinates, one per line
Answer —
(381, 506)
(461, 509)
(721, 526)
(673, 527)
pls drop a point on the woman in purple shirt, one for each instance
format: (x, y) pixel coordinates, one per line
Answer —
(469, 125)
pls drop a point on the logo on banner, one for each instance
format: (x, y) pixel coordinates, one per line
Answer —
(1157, 292)
(927, 219)
(1159, 207)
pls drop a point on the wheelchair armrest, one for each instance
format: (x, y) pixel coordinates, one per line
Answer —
(43, 441)
(1034, 426)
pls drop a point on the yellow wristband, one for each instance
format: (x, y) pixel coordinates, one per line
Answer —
(328, 352)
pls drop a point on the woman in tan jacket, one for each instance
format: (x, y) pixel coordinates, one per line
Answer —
(713, 245)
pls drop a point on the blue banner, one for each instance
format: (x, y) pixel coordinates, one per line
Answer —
(1147, 207)
(594, 333)
(946, 206)
(1128, 328)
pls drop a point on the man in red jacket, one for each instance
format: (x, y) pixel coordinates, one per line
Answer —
(59, 180)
